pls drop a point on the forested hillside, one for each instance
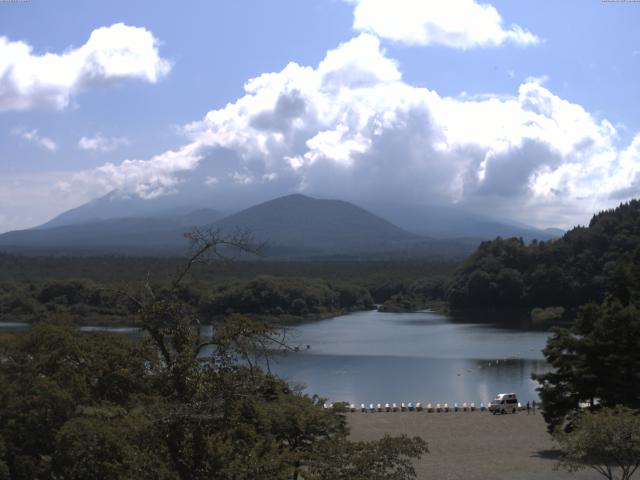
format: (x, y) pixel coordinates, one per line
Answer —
(581, 267)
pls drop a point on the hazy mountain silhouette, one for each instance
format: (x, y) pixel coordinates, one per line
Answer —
(293, 226)
(115, 205)
(441, 221)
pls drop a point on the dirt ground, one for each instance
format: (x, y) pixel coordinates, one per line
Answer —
(472, 445)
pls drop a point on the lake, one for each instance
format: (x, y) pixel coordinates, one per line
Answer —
(413, 357)
(405, 357)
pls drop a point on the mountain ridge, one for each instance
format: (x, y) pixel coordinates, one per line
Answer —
(292, 226)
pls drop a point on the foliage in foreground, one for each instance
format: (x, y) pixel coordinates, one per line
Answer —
(607, 442)
(596, 361)
(178, 405)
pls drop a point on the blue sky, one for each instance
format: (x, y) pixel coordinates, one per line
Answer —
(387, 138)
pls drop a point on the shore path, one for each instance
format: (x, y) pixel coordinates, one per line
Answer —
(472, 445)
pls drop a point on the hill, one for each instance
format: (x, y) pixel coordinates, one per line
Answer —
(294, 226)
(323, 226)
(582, 266)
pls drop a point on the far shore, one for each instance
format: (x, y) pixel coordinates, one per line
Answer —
(472, 445)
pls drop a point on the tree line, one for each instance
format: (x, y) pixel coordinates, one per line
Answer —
(583, 266)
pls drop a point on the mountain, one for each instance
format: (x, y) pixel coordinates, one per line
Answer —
(119, 235)
(117, 206)
(322, 225)
(294, 226)
(441, 221)
(131, 235)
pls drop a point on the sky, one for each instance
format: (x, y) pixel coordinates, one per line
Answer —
(524, 110)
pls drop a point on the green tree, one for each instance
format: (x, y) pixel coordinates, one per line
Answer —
(597, 361)
(607, 441)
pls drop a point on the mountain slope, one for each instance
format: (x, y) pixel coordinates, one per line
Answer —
(115, 205)
(441, 221)
(330, 225)
(120, 235)
(294, 226)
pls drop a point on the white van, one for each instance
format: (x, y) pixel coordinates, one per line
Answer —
(504, 403)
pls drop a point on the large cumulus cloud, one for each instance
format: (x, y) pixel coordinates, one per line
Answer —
(351, 128)
(113, 53)
(454, 23)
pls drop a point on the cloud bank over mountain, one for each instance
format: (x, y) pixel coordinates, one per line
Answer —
(351, 128)
(114, 53)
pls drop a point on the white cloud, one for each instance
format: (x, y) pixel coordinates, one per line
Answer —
(34, 137)
(351, 128)
(145, 178)
(117, 52)
(101, 143)
(453, 23)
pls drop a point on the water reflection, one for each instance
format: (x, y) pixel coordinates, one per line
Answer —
(388, 357)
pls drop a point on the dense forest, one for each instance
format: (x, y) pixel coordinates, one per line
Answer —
(85, 302)
(583, 266)
(88, 290)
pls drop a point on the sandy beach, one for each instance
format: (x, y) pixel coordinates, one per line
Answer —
(472, 445)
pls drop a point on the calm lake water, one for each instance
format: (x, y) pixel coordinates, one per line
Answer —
(405, 357)
(412, 357)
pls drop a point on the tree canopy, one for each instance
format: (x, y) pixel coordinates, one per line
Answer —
(607, 442)
(595, 361)
(79, 405)
(583, 266)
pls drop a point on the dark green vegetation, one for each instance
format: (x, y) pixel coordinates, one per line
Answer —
(419, 295)
(87, 289)
(607, 442)
(581, 267)
(77, 406)
(591, 276)
(276, 296)
(85, 302)
(596, 360)
(594, 270)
